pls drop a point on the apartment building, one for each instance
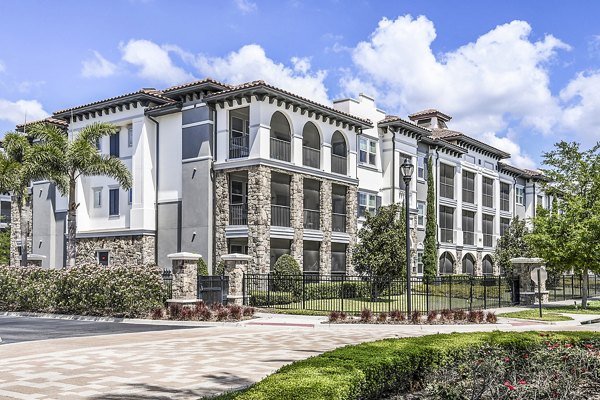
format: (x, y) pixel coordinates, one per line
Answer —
(256, 169)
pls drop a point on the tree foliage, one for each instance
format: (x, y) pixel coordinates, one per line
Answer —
(568, 235)
(381, 248)
(430, 242)
(202, 267)
(511, 244)
(5, 247)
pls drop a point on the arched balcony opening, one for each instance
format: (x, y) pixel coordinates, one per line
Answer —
(339, 154)
(446, 264)
(488, 265)
(281, 137)
(311, 146)
(468, 264)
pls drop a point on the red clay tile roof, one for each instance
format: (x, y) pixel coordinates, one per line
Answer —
(199, 82)
(49, 120)
(445, 133)
(429, 111)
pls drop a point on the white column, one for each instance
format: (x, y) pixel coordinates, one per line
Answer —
(326, 157)
(458, 196)
(478, 200)
(497, 211)
(143, 167)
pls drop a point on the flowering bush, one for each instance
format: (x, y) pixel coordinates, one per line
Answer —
(87, 290)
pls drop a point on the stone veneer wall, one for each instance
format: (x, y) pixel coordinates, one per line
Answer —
(124, 250)
(326, 219)
(259, 218)
(297, 216)
(351, 225)
(221, 218)
(15, 231)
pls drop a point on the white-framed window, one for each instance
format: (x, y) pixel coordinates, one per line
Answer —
(97, 192)
(368, 151)
(420, 262)
(421, 166)
(98, 144)
(130, 196)
(420, 213)
(520, 195)
(113, 202)
(367, 202)
(103, 257)
(129, 136)
(447, 181)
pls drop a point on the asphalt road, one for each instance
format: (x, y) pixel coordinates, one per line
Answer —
(23, 329)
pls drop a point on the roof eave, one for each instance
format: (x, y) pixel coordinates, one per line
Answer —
(103, 104)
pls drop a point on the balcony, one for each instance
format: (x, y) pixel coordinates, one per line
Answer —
(281, 149)
(311, 157)
(338, 223)
(487, 240)
(239, 146)
(339, 165)
(312, 219)
(468, 238)
(446, 235)
(280, 215)
(238, 214)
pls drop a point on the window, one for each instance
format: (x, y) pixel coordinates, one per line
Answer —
(421, 166)
(504, 224)
(113, 202)
(487, 265)
(103, 257)
(130, 196)
(504, 196)
(420, 213)
(420, 262)
(468, 227)
(97, 197)
(368, 151)
(488, 165)
(520, 195)
(468, 194)
(468, 264)
(239, 144)
(487, 227)
(367, 202)
(310, 258)
(470, 159)
(487, 192)
(129, 136)
(446, 264)
(114, 145)
(98, 144)
(446, 181)
(540, 201)
(338, 258)
(446, 224)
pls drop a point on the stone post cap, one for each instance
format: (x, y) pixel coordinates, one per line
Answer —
(236, 257)
(184, 256)
(35, 257)
(527, 260)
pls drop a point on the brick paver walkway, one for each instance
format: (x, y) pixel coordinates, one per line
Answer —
(183, 364)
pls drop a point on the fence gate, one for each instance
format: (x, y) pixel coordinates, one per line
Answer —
(516, 291)
(213, 289)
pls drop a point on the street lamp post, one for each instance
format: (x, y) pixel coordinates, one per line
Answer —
(407, 171)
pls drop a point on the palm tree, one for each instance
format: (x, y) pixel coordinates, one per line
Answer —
(23, 160)
(78, 158)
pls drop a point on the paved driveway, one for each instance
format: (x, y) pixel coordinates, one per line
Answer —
(190, 363)
(24, 329)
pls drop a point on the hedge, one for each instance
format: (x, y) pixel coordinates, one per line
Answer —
(86, 290)
(371, 370)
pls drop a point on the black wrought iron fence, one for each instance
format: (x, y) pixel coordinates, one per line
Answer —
(568, 287)
(354, 293)
(213, 288)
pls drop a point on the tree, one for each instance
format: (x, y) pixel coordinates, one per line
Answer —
(79, 157)
(5, 247)
(202, 268)
(511, 244)
(381, 248)
(430, 258)
(568, 235)
(22, 162)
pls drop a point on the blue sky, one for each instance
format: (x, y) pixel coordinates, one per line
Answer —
(518, 75)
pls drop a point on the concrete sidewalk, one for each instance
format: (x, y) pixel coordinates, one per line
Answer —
(191, 363)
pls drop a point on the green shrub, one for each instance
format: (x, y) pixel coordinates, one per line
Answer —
(262, 298)
(88, 290)
(335, 290)
(285, 270)
(370, 370)
(202, 267)
(219, 269)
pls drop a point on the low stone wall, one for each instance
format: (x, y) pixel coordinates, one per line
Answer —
(124, 250)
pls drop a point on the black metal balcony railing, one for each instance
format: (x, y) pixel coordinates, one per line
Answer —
(487, 240)
(338, 222)
(280, 215)
(281, 149)
(239, 146)
(339, 165)
(311, 157)
(468, 238)
(238, 214)
(312, 219)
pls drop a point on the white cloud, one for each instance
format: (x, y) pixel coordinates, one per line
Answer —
(251, 63)
(2, 67)
(16, 112)
(581, 113)
(154, 62)
(246, 6)
(97, 67)
(508, 144)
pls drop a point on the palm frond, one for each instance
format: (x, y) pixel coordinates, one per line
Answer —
(95, 131)
(111, 167)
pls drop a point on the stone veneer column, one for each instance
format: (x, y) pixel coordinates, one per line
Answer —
(259, 217)
(326, 217)
(351, 225)
(236, 265)
(185, 275)
(297, 216)
(479, 264)
(124, 251)
(15, 231)
(221, 215)
(528, 291)
(458, 266)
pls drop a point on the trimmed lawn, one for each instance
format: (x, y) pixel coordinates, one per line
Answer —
(535, 315)
(593, 308)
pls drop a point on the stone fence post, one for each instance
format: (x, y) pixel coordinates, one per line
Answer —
(528, 292)
(236, 265)
(185, 275)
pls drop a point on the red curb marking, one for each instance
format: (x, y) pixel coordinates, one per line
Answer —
(281, 324)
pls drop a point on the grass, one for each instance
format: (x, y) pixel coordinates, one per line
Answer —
(535, 315)
(593, 308)
(369, 370)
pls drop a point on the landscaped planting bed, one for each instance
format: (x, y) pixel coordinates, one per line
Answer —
(203, 312)
(398, 317)
(495, 365)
